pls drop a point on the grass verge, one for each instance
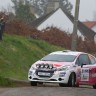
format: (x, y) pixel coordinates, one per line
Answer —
(18, 53)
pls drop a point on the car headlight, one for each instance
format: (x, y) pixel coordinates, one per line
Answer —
(38, 66)
(64, 68)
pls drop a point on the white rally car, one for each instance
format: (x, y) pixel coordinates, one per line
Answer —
(62, 67)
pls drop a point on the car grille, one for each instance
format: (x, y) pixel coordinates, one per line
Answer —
(45, 80)
(44, 73)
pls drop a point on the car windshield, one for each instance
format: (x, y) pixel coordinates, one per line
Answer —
(59, 58)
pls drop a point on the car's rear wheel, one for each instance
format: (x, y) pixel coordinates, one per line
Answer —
(33, 83)
(94, 86)
(72, 80)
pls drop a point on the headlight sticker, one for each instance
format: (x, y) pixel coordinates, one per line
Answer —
(62, 74)
(64, 68)
(30, 72)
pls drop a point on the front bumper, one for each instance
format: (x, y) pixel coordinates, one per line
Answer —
(57, 77)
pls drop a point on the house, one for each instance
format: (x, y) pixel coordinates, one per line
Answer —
(57, 19)
(91, 25)
(63, 20)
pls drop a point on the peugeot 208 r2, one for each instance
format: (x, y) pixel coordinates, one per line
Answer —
(58, 67)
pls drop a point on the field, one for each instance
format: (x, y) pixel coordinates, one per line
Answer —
(17, 53)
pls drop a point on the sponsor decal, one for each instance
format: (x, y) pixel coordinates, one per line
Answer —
(94, 75)
(57, 65)
(62, 72)
(85, 74)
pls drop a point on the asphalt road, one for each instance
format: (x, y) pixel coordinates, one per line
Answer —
(48, 90)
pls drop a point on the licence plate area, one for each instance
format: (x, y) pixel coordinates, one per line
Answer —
(43, 74)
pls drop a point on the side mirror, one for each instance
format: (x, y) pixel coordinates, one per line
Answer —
(83, 65)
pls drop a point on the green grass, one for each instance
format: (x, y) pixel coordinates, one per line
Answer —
(6, 82)
(17, 53)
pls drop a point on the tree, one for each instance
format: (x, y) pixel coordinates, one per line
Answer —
(22, 10)
(41, 5)
(66, 5)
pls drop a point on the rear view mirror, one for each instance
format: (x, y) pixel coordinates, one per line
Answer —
(82, 65)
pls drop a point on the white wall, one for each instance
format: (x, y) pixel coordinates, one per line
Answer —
(94, 28)
(59, 20)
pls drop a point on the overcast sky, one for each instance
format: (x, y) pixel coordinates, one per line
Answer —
(87, 8)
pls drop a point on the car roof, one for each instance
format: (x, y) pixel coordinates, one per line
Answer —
(68, 52)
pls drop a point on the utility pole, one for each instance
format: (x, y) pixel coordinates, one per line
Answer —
(74, 34)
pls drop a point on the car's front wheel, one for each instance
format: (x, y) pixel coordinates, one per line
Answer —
(33, 83)
(62, 85)
(72, 80)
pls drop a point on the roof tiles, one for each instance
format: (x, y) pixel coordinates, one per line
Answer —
(90, 24)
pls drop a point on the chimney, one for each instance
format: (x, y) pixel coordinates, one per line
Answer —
(56, 5)
(53, 5)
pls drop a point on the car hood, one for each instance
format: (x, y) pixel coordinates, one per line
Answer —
(55, 64)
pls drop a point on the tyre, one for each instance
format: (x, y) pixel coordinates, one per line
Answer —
(94, 86)
(77, 85)
(62, 85)
(33, 83)
(72, 80)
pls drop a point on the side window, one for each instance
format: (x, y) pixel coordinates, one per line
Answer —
(83, 59)
(92, 59)
(77, 62)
